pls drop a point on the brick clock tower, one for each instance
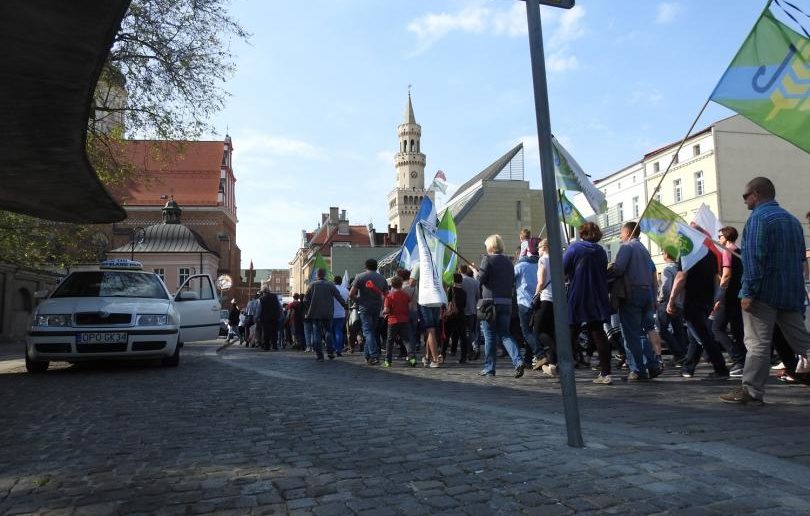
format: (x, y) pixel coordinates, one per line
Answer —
(409, 162)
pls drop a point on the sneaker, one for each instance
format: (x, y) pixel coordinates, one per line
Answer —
(538, 363)
(786, 377)
(441, 360)
(319, 358)
(633, 376)
(736, 372)
(387, 363)
(519, 370)
(331, 356)
(435, 365)
(425, 361)
(412, 362)
(741, 396)
(603, 379)
(803, 366)
(486, 373)
(778, 367)
(655, 372)
(373, 361)
(550, 369)
(687, 373)
(717, 376)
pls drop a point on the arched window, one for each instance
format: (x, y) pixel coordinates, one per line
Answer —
(404, 145)
(412, 146)
(417, 146)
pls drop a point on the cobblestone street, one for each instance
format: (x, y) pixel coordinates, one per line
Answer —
(260, 433)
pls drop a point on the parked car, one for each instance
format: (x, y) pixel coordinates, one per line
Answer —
(120, 312)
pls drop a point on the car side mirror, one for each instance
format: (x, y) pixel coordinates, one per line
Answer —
(187, 295)
(41, 294)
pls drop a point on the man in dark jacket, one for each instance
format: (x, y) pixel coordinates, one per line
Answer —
(319, 298)
(269, 313)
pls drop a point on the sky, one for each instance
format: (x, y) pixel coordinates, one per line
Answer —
(322, 85)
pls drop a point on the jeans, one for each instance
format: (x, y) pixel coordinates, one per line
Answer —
(730, 314)
(322, 332)
(337, 333)
(456, 330)
(472, 331)
(403, 330)
(413, 321)
(696, 315)
(525, 316)
(369, 321)
(498, 331)
(676, 339)
(635, 315)
(308, 333)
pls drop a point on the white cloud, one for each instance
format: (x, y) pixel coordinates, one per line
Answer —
(254, 144)
(432, 27)
(570, 27)
(667, 12)
(511, 22)
(558, 62)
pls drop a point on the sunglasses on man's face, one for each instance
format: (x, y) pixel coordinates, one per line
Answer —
(746, 195)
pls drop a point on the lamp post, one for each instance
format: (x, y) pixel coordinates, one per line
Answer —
(135, 237)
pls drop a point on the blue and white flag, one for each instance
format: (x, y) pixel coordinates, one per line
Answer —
(409, 255)
(431, 291)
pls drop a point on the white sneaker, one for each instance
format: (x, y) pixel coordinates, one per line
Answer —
(434, 365)
(778, 367)
(604, 380)
(550, 369)
(803, 366)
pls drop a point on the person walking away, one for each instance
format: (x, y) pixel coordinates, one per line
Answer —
(676, 337)
(727, 308)
(269, 313)
(497, 278)
(525, 288)
(319, 298)
(455, 321)
(368, 289)
(242, 318)
(772, 292)
(635, 267)
(585, 265)
(473, 290)
(410, 287)
(396, 308)
(543, 316)
(233, 322)
(339, 316)
(250, 318)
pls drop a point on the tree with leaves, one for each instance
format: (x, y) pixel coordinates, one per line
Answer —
(164, 79)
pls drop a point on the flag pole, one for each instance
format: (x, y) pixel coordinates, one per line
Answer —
(688, 134)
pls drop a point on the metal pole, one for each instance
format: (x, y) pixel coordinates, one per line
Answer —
(563, 334)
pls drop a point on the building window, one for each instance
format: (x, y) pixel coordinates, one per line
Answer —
(635, 207)
(658, 196)
(634, 179)
(161, 273)
(620, 211)
(182, 275)
(519, 210)
(618, 185)
(677, 190)
(656, 167)
(675, 160)
(700, 185)
(696, 150)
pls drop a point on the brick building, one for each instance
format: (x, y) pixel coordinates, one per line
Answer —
(199, 176)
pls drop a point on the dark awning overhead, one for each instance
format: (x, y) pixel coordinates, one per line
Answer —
(52, 54)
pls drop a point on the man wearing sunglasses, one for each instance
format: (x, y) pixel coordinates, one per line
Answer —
(772, 290)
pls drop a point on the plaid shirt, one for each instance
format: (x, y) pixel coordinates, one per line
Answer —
(773, 254)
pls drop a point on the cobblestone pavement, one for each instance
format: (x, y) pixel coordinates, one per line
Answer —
(246, 432)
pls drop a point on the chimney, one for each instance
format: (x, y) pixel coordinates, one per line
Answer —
(333, 214)
(372, 235)
(343, 215)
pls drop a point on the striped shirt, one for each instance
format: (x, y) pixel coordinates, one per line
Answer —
(773, 255)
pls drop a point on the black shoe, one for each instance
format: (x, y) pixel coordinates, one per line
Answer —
(519, 371)
(462, 361)
(319, 358)
(331, 356)
(713, 375)
(655, 371)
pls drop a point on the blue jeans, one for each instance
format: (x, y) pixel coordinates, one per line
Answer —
(337, 333)
(675, 338)
(498, 331)
(369, 321)
(525, 314)
(322, 332)
(308, 333)
(413, 320)
(636, 315)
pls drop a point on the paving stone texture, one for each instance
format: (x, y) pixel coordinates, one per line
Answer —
(246, 432)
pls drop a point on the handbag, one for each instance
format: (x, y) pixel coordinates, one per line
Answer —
(619, 288)
(486, 310)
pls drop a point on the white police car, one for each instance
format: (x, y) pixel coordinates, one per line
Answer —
(120, 311)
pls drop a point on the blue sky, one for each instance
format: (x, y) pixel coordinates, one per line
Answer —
(321, 87)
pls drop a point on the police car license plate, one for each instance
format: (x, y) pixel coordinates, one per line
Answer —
(101, 338)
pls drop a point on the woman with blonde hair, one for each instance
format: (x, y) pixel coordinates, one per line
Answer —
(497, 277)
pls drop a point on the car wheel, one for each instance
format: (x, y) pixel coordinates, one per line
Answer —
(174, 360)
(35, 366)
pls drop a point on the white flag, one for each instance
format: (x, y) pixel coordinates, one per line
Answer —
(431, 292)
(570, 176)
(706, 219)
(345, 282)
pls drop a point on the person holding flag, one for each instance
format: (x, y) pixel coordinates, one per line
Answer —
(368, 289)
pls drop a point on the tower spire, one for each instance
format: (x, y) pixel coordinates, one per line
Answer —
(409, 117)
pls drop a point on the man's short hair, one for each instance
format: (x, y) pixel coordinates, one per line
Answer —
(321, 273)
(371, 264)
(729, 233)
(763, 187)
(338, 280)
(590, 232)
(630, 226)
(296, 297)
(457, 277)
(396, 282)
(464, 269)
(405, 274)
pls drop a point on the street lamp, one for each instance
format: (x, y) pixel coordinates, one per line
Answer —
(139, 235)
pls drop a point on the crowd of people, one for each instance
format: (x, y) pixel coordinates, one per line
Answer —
(748, 301)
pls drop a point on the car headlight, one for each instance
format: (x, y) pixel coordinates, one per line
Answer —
(151, 320)
(52, 320)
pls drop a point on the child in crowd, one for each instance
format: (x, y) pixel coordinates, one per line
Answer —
(396, 310)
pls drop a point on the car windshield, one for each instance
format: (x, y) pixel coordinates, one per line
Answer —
(111, 284)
